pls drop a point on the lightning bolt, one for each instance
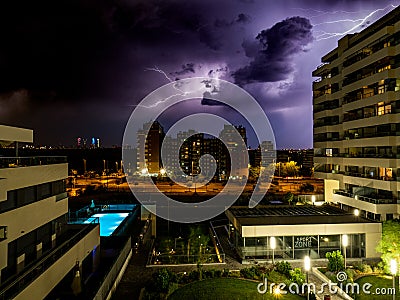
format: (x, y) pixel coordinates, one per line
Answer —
(158, 70)
(176, 87)
(324, 35)
(322, 12)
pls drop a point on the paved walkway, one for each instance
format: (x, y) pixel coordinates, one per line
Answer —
(318, 284)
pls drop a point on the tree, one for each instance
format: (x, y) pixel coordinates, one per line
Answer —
(389, 245)
(287, 169)
(335, 261)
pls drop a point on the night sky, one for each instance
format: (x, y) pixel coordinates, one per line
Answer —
(72, 68)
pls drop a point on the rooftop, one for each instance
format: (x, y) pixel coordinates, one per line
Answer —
(292, 215)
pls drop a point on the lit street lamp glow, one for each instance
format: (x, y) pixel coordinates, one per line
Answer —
(356, 212)
(272, 243)
(393, 267)
(345, 243)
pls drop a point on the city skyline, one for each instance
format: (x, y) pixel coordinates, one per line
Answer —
(84, 77)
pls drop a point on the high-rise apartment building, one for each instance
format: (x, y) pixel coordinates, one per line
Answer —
(37, 246)
(356, 101)
(149, 148)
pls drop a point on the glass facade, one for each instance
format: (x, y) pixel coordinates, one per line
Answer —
(296, 247)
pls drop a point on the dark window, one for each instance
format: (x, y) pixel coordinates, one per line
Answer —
(23, 196)
(44, 190)
(3, 232)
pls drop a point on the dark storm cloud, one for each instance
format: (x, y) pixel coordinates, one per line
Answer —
(185, 69)
(208, 101)
(275, 49)
(243, 18)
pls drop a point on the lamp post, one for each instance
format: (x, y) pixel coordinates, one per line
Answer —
(272, 243)
(393, 271)
(345, 243)
(307, 267)
(178, 238)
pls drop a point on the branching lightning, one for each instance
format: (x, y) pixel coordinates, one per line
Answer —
(176, 87)
(157, 69)
(323, 35)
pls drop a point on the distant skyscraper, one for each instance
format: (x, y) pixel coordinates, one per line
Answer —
(239, 161)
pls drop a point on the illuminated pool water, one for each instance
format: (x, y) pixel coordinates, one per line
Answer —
(108, 221)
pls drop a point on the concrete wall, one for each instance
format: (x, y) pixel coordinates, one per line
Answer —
(19, 177)
(15, 134)
(329, 186)
(53, 275)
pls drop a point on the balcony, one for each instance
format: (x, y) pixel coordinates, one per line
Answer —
(75, 235)
(376, 200)
(20, 161)
(368, 176)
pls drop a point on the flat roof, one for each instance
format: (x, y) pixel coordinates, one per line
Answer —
(15, 134)
(292, 215)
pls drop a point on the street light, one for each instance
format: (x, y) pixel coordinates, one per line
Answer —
(162, 171)
(356, 212)
(307, 267)
(272, 243)
(178, 238)
(393, 271)
(345, 243)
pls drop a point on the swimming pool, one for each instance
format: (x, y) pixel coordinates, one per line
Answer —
(108, 221)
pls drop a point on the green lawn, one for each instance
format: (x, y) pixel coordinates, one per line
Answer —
(377, 282)
(224, 289)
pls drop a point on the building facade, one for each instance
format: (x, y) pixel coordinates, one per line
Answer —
(356, 101)
(37, 246)
(299, 231)
(149, 141)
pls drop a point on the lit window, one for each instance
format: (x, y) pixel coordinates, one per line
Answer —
(328, 152)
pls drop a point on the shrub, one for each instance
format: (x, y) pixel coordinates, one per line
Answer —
(366, 268)
(335, 261)
(331, 276)
(297, 276)
(350, 275)
(225, 273)
(161, 280)
(284, 267)
(217, 273)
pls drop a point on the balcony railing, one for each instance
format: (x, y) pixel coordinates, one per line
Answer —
(360, 155)
(364, 198)
(369, 176)
(32, 272)
(20, 161)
